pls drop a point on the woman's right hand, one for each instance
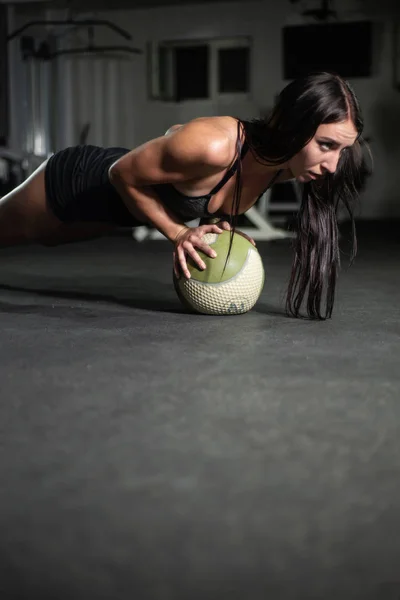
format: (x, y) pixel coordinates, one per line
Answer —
(188, 241)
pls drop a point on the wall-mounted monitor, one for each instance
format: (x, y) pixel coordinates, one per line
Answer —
(342, 47)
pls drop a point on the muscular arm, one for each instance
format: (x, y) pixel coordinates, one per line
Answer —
(144, 204)
(193, 151)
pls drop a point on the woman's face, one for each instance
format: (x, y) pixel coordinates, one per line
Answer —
(321, 155)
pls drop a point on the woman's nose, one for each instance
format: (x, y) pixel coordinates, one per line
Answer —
(330, 164)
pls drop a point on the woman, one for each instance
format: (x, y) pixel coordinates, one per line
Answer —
(313, 135)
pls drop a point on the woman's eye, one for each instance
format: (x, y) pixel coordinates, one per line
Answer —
(325, 145)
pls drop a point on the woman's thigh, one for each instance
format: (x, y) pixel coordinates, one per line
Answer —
(25, 218)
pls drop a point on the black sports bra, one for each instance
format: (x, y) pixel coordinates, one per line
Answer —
(194, 207)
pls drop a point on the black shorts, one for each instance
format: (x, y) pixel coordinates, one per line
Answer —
(78, 187)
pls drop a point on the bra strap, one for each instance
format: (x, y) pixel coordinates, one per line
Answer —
(230, 172)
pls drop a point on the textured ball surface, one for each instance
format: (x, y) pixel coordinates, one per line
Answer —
(215, 291)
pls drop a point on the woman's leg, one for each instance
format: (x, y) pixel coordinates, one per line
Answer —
(25, 218)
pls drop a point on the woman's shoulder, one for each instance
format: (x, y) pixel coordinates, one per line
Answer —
(218, 126)
(215, 136)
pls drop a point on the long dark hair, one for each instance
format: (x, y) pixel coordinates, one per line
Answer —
(301, 108)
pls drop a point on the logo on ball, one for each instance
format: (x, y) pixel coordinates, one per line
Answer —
(235, 307)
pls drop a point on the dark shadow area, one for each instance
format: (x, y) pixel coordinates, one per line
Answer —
(148, 303)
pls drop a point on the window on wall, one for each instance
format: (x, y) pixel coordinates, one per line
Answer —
(200, 70)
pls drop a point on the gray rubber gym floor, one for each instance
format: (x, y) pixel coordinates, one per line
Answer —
(150, 454)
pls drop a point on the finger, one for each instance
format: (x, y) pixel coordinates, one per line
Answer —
(206, 249)
(211, 229)
(196, 241)
(189, 248)
(182, 262)
(196, 258)
(249, 239)
(225, 225)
